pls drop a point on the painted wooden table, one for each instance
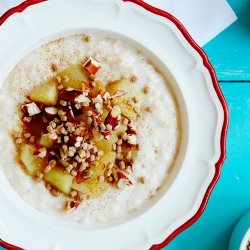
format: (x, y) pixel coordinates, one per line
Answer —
(230, 55)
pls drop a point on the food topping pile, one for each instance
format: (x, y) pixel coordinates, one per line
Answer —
(78, 134)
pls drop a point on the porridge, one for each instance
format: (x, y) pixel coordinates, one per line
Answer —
(90, 128)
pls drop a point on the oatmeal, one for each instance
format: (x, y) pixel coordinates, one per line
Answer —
(95, 129)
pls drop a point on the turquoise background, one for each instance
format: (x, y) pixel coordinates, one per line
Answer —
(230, 55)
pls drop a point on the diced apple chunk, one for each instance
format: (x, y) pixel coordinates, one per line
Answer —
(99, 87)
(108, 158)
(46, 93)
(57, 178)
(121, 85)
(122, 128)
(104, 114)
(77, 75)
(32, 163)
(46, 141)
(106, 145)
(92, 186)
(126, 110)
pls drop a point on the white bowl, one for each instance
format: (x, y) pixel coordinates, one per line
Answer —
(203, 110)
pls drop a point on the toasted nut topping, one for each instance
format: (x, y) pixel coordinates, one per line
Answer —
(48, 186)
(149, 109)
(19, 140)
(51, 111)
(55, 192)
(101, 178)
(31, 109)
(146, 90)
(27, 119)
(133, 79)
(27, 135)
(73, 194)
(32, 139)
(92, 65)
(47, 169)
(59, 80)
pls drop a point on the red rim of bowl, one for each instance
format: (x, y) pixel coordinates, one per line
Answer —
(216, 86)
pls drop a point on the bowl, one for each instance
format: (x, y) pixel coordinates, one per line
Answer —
(240, 238)
(203, 110)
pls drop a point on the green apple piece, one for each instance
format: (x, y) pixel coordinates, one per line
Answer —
(32, 163)
(45, 93)
(58, 179)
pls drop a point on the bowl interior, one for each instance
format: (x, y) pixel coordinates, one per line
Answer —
(183, 118)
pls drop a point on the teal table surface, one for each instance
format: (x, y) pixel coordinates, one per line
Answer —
(230, 55)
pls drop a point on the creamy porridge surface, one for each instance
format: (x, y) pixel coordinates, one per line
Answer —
(159, 132)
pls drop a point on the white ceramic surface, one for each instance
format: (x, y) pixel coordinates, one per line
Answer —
(201, 113)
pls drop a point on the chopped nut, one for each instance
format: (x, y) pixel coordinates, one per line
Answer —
(124, 121)
(141, 180)
(63, 103)
(101, 178)
(109, 165)
(137, 111)
(61, 112)
(133, 79)
(114, 147)
(129, 155)
(92, 65)
(50, 129)
(95, 163)
(122, 165)
(39, 175)
(119, 142)
(47, 169)
(86, 38)
(146, 90)
(89, 120)
(17, 134)
(31, 109)
(52, 163)
(52, 124)
(66, 139)
(135, 100)
(41, 152)
(73, 194)
(64, 118)
(27, 119)
(51, 111)
(119, 149)
(48, 186)
(27, 135)
(59, 140)
(109, 172)
(55, 192)
(71, 206)
(60, 87)
(73, 173)
(32, 139)
(81, 196)
(124, 136)
(19, 140)
(149, 109)
(132, 139)
(59, 80)
(100, 153)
